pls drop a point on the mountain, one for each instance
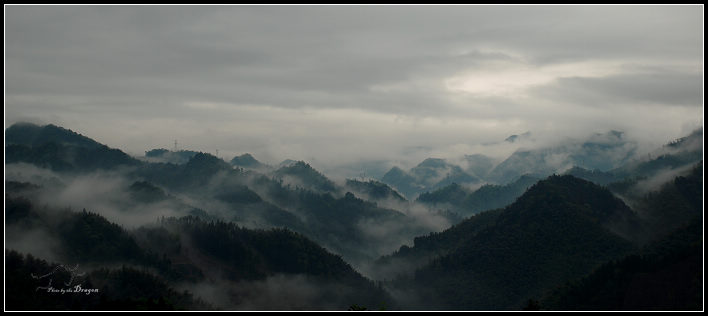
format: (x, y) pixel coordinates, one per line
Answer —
(402, 181)
(286, 162)
(202, 233)
(596, 176)
(78, 237)
(355, 224)
(430, 174)
(66, 158)
(32, 135)
(452, 195)
(146, 192)
(515, 138)
(666, 275)
(373, 190)
(434, 172)
(175, 252)
(674, 204)
(685, 151)
(406, 260)
(247, 161)
(206, 179)
(60, 149)
(248, 208)
(204, 165)
(301, 174)
(164, 155)
(561, 228)
(348, 225)
(479, 165)
(193, 175)
(660, 166)
(600, 151)
(297, 197)
(463, 201)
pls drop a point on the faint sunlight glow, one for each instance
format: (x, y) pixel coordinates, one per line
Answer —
(512, 78)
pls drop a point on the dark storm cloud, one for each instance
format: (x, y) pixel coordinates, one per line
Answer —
(403, 75)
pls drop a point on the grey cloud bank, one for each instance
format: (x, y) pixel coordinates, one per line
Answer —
(340, 84)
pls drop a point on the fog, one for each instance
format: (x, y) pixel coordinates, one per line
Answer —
(108, 193)
(35, 241)
(102, 192)
(343, 85)
(278, 292)
(351, 90)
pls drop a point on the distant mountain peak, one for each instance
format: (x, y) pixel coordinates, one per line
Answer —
(206, 162)
(558, 230)
(514, 138)
(165, 155)
(60, 149)
(32, 135)
(287, 162)
(202, 156)
(247, 161)
(430, 174)
(305, 175)
(570, 189)
(394, 172)
(433, 163)
(373, 189)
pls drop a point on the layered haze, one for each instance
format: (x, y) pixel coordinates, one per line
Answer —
(251, 157)
(348, 86)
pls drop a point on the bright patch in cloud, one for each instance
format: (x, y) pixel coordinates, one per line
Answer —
(510, 78)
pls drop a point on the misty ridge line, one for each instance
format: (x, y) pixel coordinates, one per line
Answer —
(312, 158)
(108, 191)
(434, 172)
(597, 139)
(437, 168)
(358, 220)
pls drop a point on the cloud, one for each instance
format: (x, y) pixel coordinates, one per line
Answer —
(35, 241)
(105, 193)
(665, 88)
(350, 82)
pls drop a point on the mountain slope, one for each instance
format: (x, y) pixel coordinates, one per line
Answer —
(479, 165)
(301, 174)
(29, 134)
(673, 156)
(175, 252)
(430, 174)
(247, 161)
(460, 200)
(373, 190)
(665, 276)
(600, 151)
(193, 175)
(60, 149)
(559, 229)
(674, 204)
(402, 181)
(164, 155)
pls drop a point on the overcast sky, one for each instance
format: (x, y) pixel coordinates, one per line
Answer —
(348, 83)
